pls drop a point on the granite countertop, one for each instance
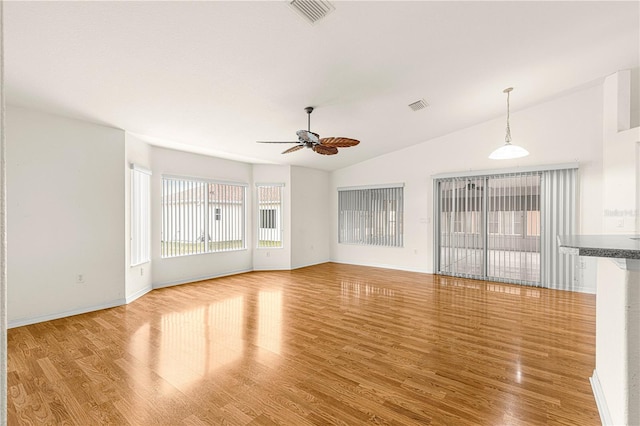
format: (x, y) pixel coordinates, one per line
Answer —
(617, 246)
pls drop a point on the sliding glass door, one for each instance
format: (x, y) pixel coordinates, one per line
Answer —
(513, 228)
(488, 227)
(462, 227)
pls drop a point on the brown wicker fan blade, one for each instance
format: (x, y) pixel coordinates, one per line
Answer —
(325, 150)
(293, 148)
(339, 142)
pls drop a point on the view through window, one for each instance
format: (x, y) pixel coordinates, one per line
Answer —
(489, 227)
(269, 215)
(200, 216)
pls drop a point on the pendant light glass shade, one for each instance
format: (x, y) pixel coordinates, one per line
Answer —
(508, 151)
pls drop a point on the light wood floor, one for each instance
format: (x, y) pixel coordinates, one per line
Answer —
(328, 344)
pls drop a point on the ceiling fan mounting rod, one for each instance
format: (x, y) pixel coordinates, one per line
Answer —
(309, 111)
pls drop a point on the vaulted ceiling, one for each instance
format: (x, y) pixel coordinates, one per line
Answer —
(214, 77)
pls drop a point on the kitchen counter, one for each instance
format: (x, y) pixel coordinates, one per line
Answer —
(616, 378)
(613, 246)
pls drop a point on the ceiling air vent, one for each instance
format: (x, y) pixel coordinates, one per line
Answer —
(311, 10)
(418, 105)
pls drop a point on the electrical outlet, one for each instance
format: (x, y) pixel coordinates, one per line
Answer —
(80, 279)
(268, 254)
(141, 271)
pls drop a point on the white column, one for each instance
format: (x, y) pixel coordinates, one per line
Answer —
(616, 379)
(3, 242)
(633, 339)
(619, 170)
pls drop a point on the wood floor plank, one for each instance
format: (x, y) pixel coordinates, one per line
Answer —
(327, 344)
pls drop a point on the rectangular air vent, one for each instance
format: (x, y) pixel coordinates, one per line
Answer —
(311, 10)
(418, 105)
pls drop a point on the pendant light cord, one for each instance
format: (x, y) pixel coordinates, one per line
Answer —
(507, 136)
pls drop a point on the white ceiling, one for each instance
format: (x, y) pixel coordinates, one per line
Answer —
(214, 77)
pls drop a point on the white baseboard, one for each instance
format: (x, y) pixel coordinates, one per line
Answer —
(261, 269)
(138, 294)
(308, 264)
(385, 266)
(58, 315)
(601, 401)
(201, 278)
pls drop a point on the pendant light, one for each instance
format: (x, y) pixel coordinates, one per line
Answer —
(508, 151)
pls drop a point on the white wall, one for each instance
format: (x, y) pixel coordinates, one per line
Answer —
(564, 130)
(634, 101)
(65, 216)
(273, 258)
(306, 217)
(310, 213)
(138, 279)
(177, 270)
(619, 155)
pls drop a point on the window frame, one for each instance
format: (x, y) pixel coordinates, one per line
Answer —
(140, 215)
(279, 217)
(212, 216)
(367, 211)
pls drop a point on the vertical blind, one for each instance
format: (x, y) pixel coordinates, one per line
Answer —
(559, 213)
(201, 216)
(140, 215)
(269, 215)
(371, 215)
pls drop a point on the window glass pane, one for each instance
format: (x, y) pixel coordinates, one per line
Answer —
(140, 217)
(270, 215)
(201, 217)
(517, 223)
(533, 223)
(371, 216)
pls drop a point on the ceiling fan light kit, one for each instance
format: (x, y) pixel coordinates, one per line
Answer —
(309, 139)
(508, 150)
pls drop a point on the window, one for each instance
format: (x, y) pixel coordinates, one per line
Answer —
(269, 215)
(371, 216)
(140, 215)
(493, 223)
(268, 218)
(202, 216)
(466, 222)
(458, 222)
(511, 222)
(533, 223)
